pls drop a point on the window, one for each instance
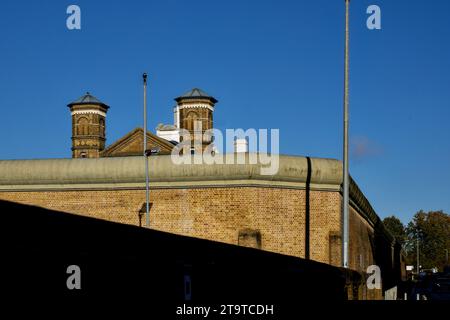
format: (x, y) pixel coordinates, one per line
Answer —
(102, 127)
(191, 118)
(82, 126)
(249, 238)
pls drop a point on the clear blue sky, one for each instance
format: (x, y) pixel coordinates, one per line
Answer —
(271, 64)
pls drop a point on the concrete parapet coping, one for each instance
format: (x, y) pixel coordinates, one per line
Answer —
(119, 170)
(112, 173)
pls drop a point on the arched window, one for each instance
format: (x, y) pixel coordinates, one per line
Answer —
(82, 126)
(102, 127)
(191, 118)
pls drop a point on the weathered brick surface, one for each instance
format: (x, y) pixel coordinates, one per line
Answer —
(220, 213)
(361, 251)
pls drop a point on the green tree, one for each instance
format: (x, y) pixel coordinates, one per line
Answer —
(433, 231)
(396, 228)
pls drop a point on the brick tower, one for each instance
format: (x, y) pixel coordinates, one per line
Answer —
(195, 108)
(88, 126)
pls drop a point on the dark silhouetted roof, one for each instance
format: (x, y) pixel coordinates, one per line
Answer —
(88, 99)
(195, 94)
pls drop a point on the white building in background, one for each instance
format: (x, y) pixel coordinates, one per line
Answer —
(169, 132)
(240, 145)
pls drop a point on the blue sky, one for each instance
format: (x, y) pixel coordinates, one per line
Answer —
(271, 64)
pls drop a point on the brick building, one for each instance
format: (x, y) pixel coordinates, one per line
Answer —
(295, 212)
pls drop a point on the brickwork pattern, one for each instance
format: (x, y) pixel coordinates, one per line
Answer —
(211, 213)
(221, 213)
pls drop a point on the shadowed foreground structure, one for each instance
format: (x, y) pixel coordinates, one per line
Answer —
(296, 212)
(119, 260)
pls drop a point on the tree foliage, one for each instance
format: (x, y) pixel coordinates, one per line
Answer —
(396, 228)
(432, 229)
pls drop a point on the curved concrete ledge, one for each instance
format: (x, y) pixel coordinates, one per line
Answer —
(128, 173)
(131, 170)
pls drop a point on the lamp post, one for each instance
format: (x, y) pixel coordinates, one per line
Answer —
(345, 214)
(147, 193)
(418, 258)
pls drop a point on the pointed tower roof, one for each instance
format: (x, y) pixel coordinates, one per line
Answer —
(196, 93)
(88, 99)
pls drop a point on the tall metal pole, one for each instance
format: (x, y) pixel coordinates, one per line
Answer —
(147, 193)
(345, 218)
(418, 258)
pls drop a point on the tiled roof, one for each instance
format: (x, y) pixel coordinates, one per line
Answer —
(87, 99)
(194, 94)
